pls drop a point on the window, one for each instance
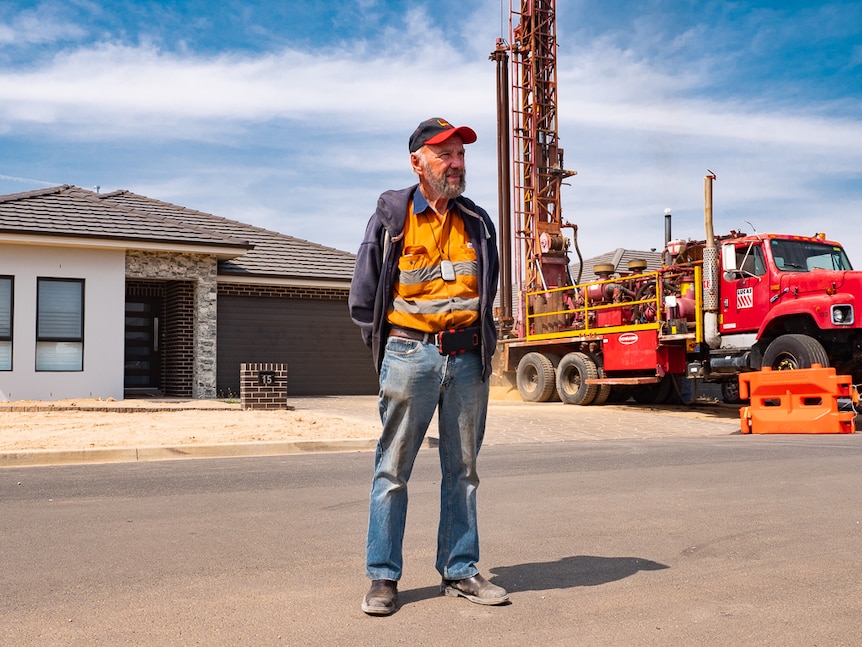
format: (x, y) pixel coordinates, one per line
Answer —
(805, 256)
(60, 325)
(750, 260)
(6, 285)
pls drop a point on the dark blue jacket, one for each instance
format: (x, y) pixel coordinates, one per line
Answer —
(376, 272)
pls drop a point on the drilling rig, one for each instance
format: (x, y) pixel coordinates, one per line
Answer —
(718, 307)
(537, 169)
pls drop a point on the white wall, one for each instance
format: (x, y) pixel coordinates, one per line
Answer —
(103, 272)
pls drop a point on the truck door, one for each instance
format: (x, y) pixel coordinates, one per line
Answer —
(745, 292)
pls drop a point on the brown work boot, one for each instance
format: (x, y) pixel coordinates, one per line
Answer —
(476, 589)
(380, 599)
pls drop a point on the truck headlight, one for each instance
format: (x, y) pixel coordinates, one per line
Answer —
(842, 315)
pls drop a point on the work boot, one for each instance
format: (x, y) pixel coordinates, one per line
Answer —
(380, 599)
(476, 589)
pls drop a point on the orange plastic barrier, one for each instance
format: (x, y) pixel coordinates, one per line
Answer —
(803, 401)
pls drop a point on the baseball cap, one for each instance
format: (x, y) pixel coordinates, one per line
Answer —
(437, 131)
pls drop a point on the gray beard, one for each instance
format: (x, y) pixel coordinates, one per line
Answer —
(451, 192)
(442, 187)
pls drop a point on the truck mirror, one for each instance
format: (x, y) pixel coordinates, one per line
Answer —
(728, 258)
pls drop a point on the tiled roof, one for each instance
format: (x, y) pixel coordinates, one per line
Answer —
(274, 254)
(619, 258)
(122, 215)
(73, 212)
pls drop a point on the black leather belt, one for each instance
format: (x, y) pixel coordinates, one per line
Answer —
(418, 335)
(456, 341)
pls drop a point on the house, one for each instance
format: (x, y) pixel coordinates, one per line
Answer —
(109, 295)
(619, 258)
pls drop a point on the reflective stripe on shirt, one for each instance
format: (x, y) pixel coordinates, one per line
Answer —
(422, 300)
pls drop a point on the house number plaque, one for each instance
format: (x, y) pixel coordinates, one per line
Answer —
(266, 378)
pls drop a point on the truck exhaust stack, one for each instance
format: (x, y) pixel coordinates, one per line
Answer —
(710, 270)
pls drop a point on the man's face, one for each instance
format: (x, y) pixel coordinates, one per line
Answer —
(441, 168)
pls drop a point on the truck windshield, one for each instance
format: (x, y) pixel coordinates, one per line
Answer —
(804, 256)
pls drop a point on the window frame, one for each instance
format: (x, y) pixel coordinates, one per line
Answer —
(58, 340)
(4, 338)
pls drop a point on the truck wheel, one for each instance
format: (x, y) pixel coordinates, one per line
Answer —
(791, 352)
(535, 378)
(730, 392)
(602, 394)
(572, 373)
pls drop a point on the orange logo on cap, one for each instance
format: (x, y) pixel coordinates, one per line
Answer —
(443, 123)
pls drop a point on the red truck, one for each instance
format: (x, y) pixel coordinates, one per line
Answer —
(716, 308)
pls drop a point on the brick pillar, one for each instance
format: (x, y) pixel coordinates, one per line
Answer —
(263, 386)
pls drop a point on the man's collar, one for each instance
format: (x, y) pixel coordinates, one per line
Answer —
(420, 202)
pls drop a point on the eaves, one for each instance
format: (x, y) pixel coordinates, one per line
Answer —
(222, 251)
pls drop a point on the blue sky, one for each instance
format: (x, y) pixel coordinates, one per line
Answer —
(294, 116)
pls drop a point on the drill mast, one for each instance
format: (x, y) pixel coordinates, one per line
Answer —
(537, 165)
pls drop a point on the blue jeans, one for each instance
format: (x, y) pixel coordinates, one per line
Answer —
(415, 380)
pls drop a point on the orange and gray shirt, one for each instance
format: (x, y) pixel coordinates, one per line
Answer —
(433, 245)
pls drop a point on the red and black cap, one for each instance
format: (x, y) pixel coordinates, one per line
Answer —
(437, 131)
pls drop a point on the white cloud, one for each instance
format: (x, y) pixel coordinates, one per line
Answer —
(294, 134)
(43, 24)
(119, 90)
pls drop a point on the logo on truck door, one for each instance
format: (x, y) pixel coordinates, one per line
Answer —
(744, 298)
(627, 339)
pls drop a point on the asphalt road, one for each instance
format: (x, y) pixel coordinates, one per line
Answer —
(730, 540)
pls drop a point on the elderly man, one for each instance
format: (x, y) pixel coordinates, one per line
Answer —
(422, 294)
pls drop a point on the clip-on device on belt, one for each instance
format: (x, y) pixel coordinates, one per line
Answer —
(455, 341)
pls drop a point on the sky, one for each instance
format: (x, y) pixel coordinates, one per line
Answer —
(294, 116)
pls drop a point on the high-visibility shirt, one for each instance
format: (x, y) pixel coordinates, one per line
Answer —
(422, 299)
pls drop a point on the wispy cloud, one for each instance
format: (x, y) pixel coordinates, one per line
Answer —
(27, 180)
(44, 24)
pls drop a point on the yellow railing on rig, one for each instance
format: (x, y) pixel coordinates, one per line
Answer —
(580, 320)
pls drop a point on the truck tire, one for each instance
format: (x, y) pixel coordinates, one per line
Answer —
(730, 392)
(535, 377)
(791, 352)
(602, 394)
(572, 373)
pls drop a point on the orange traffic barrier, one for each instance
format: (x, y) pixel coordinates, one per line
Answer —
(804, 401)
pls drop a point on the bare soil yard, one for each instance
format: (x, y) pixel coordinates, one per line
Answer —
(87, 423)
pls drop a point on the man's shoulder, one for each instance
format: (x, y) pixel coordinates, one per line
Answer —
(397, 195)
(392, 210)
(466, 204)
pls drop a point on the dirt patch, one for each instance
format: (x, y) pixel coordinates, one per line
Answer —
(88, 423)
(136, 423)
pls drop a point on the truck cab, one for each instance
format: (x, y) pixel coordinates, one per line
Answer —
(793, 300)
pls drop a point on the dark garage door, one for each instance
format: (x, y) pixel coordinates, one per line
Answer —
(314, 337)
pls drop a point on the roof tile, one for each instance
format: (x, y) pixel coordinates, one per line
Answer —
(122, 215)
(273, 255)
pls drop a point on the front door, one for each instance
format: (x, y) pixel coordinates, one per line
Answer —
(143, 365)
(745, 296)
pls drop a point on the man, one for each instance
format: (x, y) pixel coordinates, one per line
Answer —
(428, 265)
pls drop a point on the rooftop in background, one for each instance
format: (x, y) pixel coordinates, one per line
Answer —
(244, 250)
(619, 258)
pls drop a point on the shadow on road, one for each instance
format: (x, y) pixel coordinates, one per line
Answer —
(418, 595)
(568, 572)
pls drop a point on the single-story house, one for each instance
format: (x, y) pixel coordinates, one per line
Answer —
(109, 295)
(619, 258)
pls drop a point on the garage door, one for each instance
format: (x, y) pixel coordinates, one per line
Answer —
(315, 338)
